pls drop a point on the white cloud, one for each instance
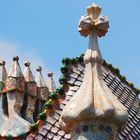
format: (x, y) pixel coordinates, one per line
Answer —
(9, 49)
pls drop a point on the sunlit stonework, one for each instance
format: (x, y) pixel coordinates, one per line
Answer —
(93, 104)
(93, 22)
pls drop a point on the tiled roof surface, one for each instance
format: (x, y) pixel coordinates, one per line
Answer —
(51, 130)
(131, 101)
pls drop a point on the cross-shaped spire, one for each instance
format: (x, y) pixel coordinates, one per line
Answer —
(93, 22)
(93, 102)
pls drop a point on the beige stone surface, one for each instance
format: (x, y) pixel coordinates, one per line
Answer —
(94, 100)
(50, 82)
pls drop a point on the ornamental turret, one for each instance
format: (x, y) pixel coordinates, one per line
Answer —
(30, 91)
(93, 106)
(50, 82)
(13, 124)
(15, 82)
(42, 89)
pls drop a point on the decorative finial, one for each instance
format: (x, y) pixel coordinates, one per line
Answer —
(39, 77)
(15, 58)
(50, 74)
(42, 89)
(99, 105)
(92, 22)
(28, 73)
(38, 68)
(3, 72)
(27, 63)
(50, 82)
(15, 70)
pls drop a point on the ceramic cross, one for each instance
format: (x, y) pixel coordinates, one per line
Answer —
(93, 103)
(94, 26)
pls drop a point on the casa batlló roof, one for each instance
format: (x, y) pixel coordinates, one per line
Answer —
(93, 100)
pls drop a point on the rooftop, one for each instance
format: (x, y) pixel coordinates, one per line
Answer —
(91, 91)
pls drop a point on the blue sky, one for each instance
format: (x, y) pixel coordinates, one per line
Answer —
(45, 31)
